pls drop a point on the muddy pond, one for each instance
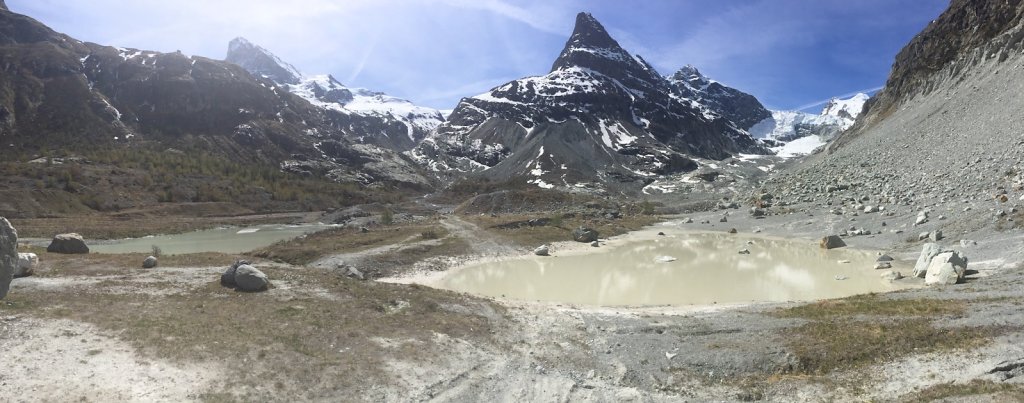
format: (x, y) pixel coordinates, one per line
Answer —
(224, 240)
(676, 269)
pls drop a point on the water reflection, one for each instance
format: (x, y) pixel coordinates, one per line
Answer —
(708, 269)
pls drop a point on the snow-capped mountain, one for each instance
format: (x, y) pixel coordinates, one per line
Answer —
(401, 125)
(847, 109)
(737, 106)
(600, 119)
(798, 133)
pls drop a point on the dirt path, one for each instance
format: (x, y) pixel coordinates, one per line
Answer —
(482, 242)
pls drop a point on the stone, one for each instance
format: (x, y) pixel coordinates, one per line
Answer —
(883, 265)
(541, 250)
(8, 255)
(68, 244)
(967, 242)
(248, 278)
(584, 234)
(744, 251)
(870, 209)
(946, 268)
(227, 278)
(351, 271)
(892, 275)
(733, 231)
(664, 259)
(27, 263)
(928, 251)
(757, 212)
(832, 242)
(724, 219)
(935, 236)
(924, 235)
(149, 263)
(922, 218)
(687, 220)
(884, 258)
(595, 244)
(661, 234)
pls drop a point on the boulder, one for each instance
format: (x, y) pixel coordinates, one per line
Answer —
(891, 275)
(27, 263)
(584, 234)
(935, 236)
(832, 242)
(8, 255)
(68, 243)
(757, 212)
(595, 244)
(928, 251)
(353, 272)
(870, 209)
(724, 219)
(149, 263)
(227, 279)
(248, 278)
(541, 251)
(883, 265)
(687, 220)
(946, 268)
(884, 258)
(733, 231)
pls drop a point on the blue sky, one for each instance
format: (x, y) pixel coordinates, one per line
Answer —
(790, 54)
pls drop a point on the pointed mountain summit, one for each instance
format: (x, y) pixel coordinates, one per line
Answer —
(601, 121)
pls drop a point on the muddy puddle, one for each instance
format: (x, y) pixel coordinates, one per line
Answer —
(677, 269)
(224, 240)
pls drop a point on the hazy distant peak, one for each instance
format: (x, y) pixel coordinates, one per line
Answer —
(260, 61)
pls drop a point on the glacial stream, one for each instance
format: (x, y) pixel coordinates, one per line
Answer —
(224, 240)
(677, 269)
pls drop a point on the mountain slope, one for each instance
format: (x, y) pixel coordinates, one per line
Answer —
(743, 109)
(371, 117)
(944, 134)
(59, 95)
(602, 119)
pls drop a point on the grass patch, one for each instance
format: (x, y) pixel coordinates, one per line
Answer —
(823, 346)
(984, 390)
(560, 228)
(876, 305)
(118, 226)
(305, 250)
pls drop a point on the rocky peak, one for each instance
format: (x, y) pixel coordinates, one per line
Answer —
(689, 73)
(591, 47)
(260, 61)
(848, 108)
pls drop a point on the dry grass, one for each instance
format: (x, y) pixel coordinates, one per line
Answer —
(305, 250)
(56, 264)
(873, 305)
(278, 343)
(561, 227)
(868, 329)
(978, 390)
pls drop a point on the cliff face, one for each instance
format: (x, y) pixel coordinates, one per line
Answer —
(967, 34)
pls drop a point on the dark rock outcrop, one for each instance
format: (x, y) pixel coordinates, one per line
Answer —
(8, 255)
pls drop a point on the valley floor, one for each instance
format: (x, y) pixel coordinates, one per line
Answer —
(97, 328)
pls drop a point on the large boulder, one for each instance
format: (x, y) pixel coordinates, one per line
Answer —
(542, 250)
(149, 263)
(946, 268)
(27, 263)
(248, 278)
(68, 243)
(832, 242)
(8, 255)
(584, 234)
(243, 276)
(929, 251)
